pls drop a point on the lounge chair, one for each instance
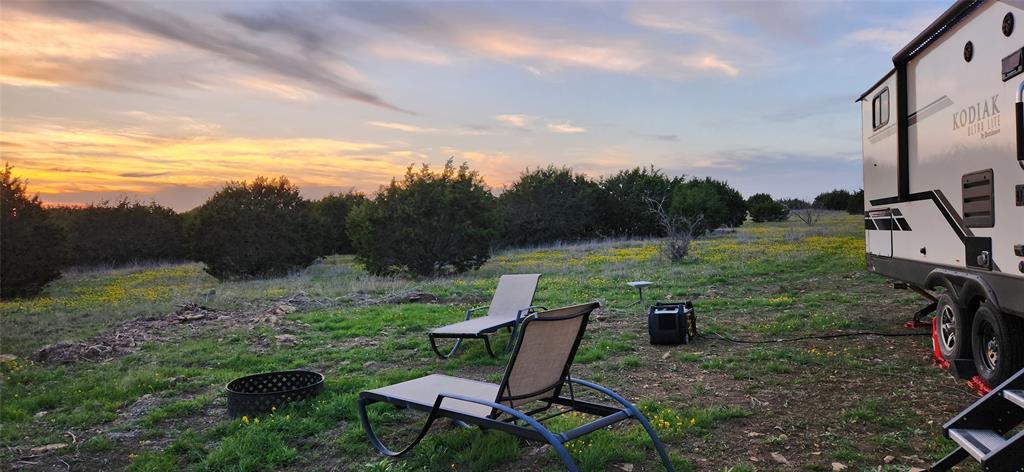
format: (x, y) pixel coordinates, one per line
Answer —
(512, 301)
(537, 374)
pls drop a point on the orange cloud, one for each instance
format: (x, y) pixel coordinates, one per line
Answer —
(497, 168)
(541, 51)
(713, 62)
(617, 56)
(108, 45)
(401, 127)
(518, 121)
(59, 159)
(274, 88)
(565, 127)
(408, 51)
(407, 128)
(70, 161)
(42, 51)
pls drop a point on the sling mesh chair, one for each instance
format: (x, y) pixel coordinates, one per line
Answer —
(537, 374)
(512, 301)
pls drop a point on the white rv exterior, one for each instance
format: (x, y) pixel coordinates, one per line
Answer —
(944, 179)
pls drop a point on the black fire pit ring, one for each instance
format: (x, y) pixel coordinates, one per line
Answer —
(258, 394)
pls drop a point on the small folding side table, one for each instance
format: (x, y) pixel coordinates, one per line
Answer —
(639, 285)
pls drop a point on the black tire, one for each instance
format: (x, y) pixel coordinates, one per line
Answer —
(998, 341)
(954, 328)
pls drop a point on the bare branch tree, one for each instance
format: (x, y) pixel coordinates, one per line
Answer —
(809, 215)
(678, 230)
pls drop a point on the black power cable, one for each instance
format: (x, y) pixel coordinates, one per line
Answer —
(800, 338)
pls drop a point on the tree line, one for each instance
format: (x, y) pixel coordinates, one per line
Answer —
(425, 223)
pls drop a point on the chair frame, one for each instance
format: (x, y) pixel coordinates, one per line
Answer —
(511, 326)
(524, 424)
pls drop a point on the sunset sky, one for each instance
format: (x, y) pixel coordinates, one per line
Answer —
(166, 101)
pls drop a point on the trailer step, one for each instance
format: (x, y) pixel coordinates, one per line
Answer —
(979, 443)
(1016, 396)
(979, 430)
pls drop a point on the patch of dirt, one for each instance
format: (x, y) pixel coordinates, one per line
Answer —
(796, 414)
(417, 297)
(303, 300)
(131, 335)
(124, 431)
(363, 299)
(65, 456)
(140, 408)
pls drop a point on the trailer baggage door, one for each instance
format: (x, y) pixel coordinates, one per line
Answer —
(878, 227)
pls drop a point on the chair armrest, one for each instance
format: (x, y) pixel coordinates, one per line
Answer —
(526, 311)
(469, 312)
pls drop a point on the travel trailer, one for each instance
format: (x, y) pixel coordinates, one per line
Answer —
(943, 138)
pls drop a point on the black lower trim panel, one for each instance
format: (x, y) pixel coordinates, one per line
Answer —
(1009, 290)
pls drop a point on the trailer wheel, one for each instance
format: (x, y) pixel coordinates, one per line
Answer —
(954, 327)
(998, 341)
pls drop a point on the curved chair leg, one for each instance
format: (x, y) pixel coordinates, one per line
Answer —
(511, 339)
(634, 412)
(433, 345)
(560, 450)
(375, 441)
(654, 437)
(487, 345)
(508, 345)
(563, 454)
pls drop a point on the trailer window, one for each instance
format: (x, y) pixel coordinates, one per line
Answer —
(880, 109)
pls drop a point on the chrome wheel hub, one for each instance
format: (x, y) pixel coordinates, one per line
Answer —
(991, 352)
(947, 328)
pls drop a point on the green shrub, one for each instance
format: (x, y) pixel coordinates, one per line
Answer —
(330, 215)
(32, 246)
(856, 204)
(625, 203)
(123, 232)
(838, 200)
(426, 224)
(708, 204)
(548, 205)
(763, 208)
(253, 229)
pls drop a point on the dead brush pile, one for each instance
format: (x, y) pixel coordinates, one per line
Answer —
(129, 337)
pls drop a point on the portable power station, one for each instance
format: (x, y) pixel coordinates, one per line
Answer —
(671, 323)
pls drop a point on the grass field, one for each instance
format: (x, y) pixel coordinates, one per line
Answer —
(146, 390)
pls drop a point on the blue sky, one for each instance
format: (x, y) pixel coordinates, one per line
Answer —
(168, 100)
